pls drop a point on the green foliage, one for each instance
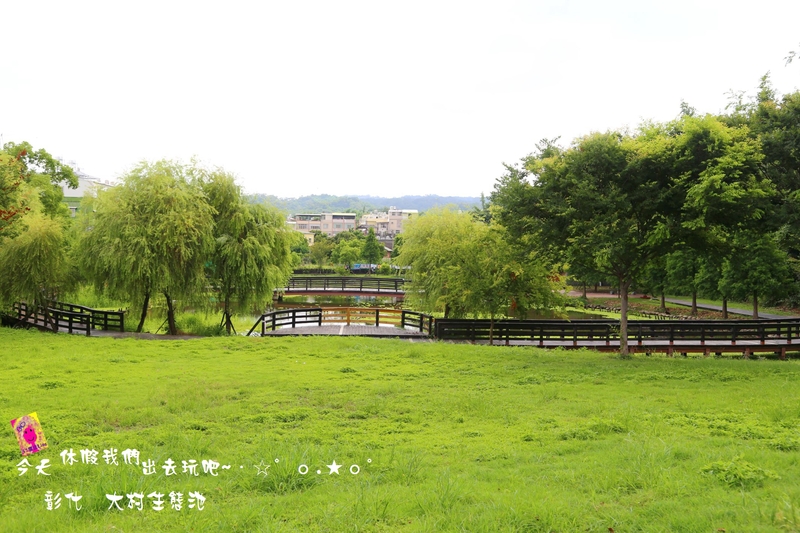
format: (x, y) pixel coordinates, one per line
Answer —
(34, 264)
(40, 171)
(149, 236)
(372, 251)
(30, 180)
(321, 249)
(11, 177)
(605, 205)
(434, 246)
(757, 267)
(461, 266)
(252, 249)
(737, 473)
(346, 252)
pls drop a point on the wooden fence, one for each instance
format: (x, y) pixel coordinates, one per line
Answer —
(639, 331)
(71, 318)
(363, 316)
(345, 284)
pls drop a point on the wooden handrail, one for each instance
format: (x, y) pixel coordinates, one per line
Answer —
(371, 316)
(344, 283)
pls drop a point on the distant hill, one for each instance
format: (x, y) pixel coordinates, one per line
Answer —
(423, 203)
(317, 203)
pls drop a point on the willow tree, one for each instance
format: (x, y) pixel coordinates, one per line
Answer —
(434, 246)
(252, 253)
(35, 264)
(464, 267)
(150, 236)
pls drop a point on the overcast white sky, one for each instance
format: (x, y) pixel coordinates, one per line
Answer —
(369, 97)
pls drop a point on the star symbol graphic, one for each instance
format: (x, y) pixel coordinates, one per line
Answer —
(334, 467)
(261, 468)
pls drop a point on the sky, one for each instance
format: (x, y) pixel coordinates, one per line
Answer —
(369, 97)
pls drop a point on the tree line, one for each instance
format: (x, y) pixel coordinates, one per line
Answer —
(705, 205)
(172, 231)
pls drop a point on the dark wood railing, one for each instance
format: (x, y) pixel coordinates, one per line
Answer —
(345, 284)
(53, 318)
(639, 331)
(70, 317)
(343, 315)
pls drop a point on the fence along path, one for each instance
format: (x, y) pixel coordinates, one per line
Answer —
(69, 318)
(700, 336)
(704, 336)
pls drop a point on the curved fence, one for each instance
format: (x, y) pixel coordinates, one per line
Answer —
(348, 316)
(62, 316)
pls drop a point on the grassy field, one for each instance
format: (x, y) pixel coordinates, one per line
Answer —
(430, 436)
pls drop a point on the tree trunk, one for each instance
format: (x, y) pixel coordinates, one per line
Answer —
(584, 290)
(48, 320)
(446, 310)
(694, 302)
(144, 312)
(623, 318)
(491, 330)
(755, 305)
(227, 314)
(173, 329)
(663, 307)
(724, 307)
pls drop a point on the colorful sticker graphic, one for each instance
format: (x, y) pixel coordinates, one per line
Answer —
(29, 434)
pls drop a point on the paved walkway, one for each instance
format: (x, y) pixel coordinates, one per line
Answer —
(345, 330)
(735, 311)
(709, 307)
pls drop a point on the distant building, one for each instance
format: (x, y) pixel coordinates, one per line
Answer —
(307, 234)
(375, 220)
(330, 224)
(397, 217)
(86, 183)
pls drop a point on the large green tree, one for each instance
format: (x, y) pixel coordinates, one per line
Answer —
(461, 267)
(150, 236)
(372, 250)
(252, 248)
(434, 245)
(607, 200)
(756, 268)
(35, 265)
(25, 173)
(320, 251)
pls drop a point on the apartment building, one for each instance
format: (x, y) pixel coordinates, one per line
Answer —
(330, 224)
(376, 221)
(397, 217)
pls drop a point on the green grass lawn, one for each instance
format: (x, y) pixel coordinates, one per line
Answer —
(443, 437)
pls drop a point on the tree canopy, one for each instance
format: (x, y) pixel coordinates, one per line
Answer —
(463, 267)
(151, 235)
(252, 248)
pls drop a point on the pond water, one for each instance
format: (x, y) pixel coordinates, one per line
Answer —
(290, 302)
